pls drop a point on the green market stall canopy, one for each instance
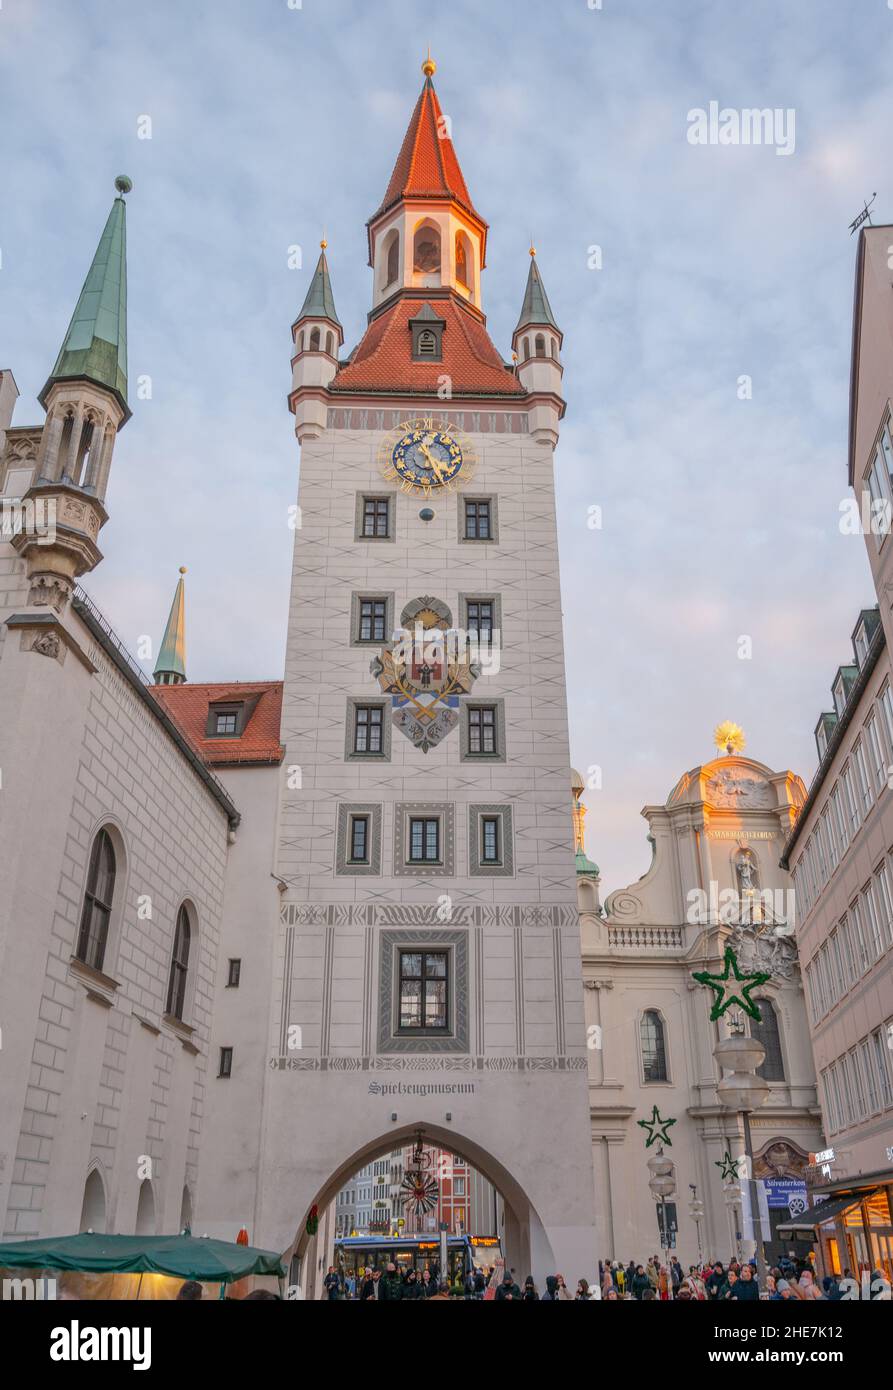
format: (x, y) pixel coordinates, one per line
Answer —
(182, 1257)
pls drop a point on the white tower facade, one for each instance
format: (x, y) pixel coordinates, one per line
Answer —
(427, 971)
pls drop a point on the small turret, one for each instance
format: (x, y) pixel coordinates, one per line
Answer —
(536, 343)
(85, 398)
(318, 336)
(171, 667)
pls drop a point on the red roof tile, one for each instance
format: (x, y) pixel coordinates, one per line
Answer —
(383, 359)
(427, 166)
(188, 706)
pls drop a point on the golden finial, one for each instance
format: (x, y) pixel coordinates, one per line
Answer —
(429, 67)
(182, 569)
(532, 247)
(323, 244)
(729, 738)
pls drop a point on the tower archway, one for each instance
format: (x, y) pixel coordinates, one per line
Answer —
(525, 1244)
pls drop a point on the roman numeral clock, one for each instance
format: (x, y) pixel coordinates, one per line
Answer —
(426, 456)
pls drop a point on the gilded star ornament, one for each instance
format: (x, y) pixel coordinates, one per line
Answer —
(657, 1128)
(732, 987)
(728, 1165)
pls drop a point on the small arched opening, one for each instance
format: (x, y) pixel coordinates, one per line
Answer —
(93, 1206)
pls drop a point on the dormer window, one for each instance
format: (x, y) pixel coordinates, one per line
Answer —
(427, 336)
(860, 644)
(840, 694)
(821, 739)
(229, 718)
(427, 344)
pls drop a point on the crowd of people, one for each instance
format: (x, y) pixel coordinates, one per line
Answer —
(713, 1282)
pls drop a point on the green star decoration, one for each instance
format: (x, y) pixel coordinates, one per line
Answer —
(728, 1165)
(725, 987)
(657, 1128)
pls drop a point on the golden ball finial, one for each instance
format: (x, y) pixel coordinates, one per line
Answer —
(323, 244)
(429, 67)
(532, 249)
(182, 569)
(729, 738)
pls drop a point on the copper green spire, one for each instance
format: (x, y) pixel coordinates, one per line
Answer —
(95, 346)
(320, 302)
(171, 668)
(536, 308)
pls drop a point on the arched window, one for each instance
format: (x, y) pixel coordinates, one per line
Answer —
(427, 345)
(97, 909)
(314, 340)
(426, 250)
(176, 988)
(145, 1210)
(767, 1033)
(554, 348)
(93, 1207)
(186, 1211)
(330, 344)
(654, 1052)
(526, 348)
(392, 260)
(540, 345)
(462, 261)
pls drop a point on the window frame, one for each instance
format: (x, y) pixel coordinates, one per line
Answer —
(662, 1048)
(424, 1030)
(95, 959)
(176, 999)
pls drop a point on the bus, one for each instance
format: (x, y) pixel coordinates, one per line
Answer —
(419, 1252)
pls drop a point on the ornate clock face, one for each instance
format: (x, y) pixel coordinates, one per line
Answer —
(426, 455)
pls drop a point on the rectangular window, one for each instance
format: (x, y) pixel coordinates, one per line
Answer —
(480, 621)
(482, 729)
(863, 959)
(858, 1089)
(848, 959)
(884, 904)
(368, 729)
(490, 840)
(887, 711)
(226, 1062)
(852, 800)
(818, 840)
(839, 693)
(226, 723)
(830, 838)
(887, 450)
(869, 1076)
(866, 788)
(424, 840)
(821, 984)
(376, 518)
(477, 521)
(835, 966)
(233, 974)
(373, 619)
(872, 921)
(813, 994)
(840, 819)
(424, 991)
(883, 1064)
(878, 490)
(359, 839)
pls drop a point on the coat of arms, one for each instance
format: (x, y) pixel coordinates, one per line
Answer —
(426, 670)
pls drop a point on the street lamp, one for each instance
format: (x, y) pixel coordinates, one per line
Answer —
(742, 1091)
(662, 1185)
(696, 1212)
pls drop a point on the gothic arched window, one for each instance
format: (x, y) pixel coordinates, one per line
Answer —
(330, 344)
(314, 340)
(426, 250)
(176, 988)
(97, 908)
(540, 345)
(654, 1052)
(526, 348)
(768, 1034)
(392, 262)
(462, 261)
(93, 1206)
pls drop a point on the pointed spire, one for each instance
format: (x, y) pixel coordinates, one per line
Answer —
(95, 345)
(536, 308)
(427, 165)
(171, 668)
(319, 302)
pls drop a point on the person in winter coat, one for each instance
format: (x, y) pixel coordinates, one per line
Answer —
(332, 1284)
(391, 1287)
(368, 1289)
(809, 1286)
(694, 1283)
(716, 1280)
(551, 1294)
(429, 1286)
(640, 1283)
(607, 1283)
(480, 1283)
(508, 1290)
(746, 1287)
(412, 1289)
(677, 1273)
(529, 1293)
(651, 1271)
(582, 1294)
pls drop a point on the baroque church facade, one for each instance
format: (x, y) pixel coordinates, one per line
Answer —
(278, 929)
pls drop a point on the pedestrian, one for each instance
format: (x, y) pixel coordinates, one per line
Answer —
(442, 1294)
(694, 1284)
(428, 1285)
(332, 1285)
(640, 1283)
(880, 1287)
(190, 1292)
(480, 1283)
(529, 1293)
(607, 1283)
(508, 1290)
(746, 1287)
(551, 1293)
(715, 1280)
(582, 1291)
(809, 1286)
(612, 1296)
(412, 1289)
(367, 1287)
(391, 1287)
(562, 1292)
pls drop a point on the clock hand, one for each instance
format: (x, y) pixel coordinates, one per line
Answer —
(433, 461)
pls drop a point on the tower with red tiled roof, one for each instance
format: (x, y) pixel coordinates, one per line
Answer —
(427, 960)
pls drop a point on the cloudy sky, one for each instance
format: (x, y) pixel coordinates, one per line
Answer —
(270, 121)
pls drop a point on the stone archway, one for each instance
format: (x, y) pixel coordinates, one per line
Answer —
(526, 1245)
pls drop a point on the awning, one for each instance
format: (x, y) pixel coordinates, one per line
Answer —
(825, 1211)
(183, 1257)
